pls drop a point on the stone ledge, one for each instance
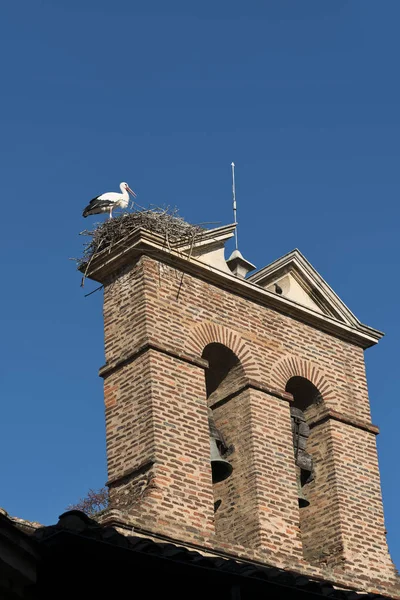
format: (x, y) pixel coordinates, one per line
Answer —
(253, 384)
(318, 420)
(192, 359)
(337, 416)
(128, 473)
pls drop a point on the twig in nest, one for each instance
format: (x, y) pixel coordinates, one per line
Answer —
(183, 273)
(87, 266)
(96, 290)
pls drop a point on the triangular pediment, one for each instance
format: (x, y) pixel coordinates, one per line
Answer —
(292, 277)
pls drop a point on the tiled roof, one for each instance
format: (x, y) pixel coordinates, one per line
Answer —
(78, 523)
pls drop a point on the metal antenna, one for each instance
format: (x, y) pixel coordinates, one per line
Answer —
(234, 203)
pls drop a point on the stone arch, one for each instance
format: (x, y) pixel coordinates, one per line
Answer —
(294, 366)
(208, 333)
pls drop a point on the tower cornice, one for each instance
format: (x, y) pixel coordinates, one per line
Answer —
(199, 260)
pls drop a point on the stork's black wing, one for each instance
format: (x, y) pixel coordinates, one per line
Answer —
(97, 206)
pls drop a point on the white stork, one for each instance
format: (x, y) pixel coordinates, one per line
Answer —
(108, 201)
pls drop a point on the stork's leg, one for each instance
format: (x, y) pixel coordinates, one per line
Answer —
(111, 213)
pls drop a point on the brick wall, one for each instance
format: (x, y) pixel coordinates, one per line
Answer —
(158, 321)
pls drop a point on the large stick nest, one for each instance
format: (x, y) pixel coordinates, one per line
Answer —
(164, 221)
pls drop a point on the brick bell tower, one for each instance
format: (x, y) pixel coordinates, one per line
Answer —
(270, 368)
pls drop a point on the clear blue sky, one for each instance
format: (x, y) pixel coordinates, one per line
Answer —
(303, 96)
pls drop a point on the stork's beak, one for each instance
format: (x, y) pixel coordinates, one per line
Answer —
(131, 191)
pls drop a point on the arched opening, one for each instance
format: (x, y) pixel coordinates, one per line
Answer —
(306, 395)
(224, 385)
(308, 456)
(223, 373)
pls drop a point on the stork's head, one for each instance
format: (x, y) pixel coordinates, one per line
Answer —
(125, 186)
